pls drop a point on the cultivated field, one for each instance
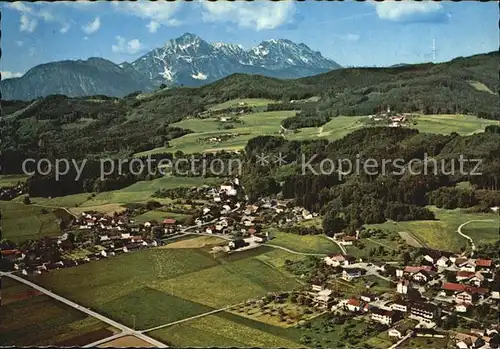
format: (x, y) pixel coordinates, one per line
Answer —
(442, 233)
(336, 128)
(486, 232)
(223, 331)
(156, 215)
(304, 243)
(252, 125)
(197, 242)
(446, 124)
(228, 283)
(163, 285)
(22, 222)
(38, 320)
(249, 102)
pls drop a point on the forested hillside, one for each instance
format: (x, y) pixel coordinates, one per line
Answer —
(351, 197)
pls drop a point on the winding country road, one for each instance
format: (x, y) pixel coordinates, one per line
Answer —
(459, 230)
(125, 330)
(342, 248)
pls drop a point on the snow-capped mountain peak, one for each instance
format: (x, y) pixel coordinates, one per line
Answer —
(190, 60)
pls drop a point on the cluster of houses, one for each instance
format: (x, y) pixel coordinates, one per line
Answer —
(346, 239)
(473, 278)
(474, 283)
(394, 119)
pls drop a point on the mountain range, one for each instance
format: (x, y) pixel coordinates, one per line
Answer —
(185, 61)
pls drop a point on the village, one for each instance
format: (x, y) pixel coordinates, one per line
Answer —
(431, 299)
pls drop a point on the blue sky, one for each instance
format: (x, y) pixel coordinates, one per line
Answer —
(351, 33)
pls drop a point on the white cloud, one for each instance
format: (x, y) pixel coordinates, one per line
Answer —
(64, 29)
(158, 11)
(153, 26)
(350, 37)
(255, 15)
(27, 24)
(403, 10)
(85, 38)
(31, 52)
(10, 75)
(21, 7)
(92, 27)
(131, 47)
(19, 43)
(29, 15)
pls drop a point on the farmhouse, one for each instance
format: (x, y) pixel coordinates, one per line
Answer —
(336, 260)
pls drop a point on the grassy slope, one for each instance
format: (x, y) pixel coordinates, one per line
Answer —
(446, 124)
(442, 233)
(21, 222)
(305, 243)
(252, 125)
(249, 102)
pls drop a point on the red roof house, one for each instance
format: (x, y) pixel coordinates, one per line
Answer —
(483, 263)
(169, 221)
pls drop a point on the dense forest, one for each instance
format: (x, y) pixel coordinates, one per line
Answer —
(361, 197)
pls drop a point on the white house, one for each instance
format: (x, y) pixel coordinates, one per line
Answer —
(353, 305)
(316, 288)
(104, 237)
(421, 276)
(350, 274)
(402, 286)
(395, 332)
(468, 266)
(443, 262)
(383, 316)
(307, 215)
(461, 308)
(125, 235)
(400, 306)
(336, 260)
